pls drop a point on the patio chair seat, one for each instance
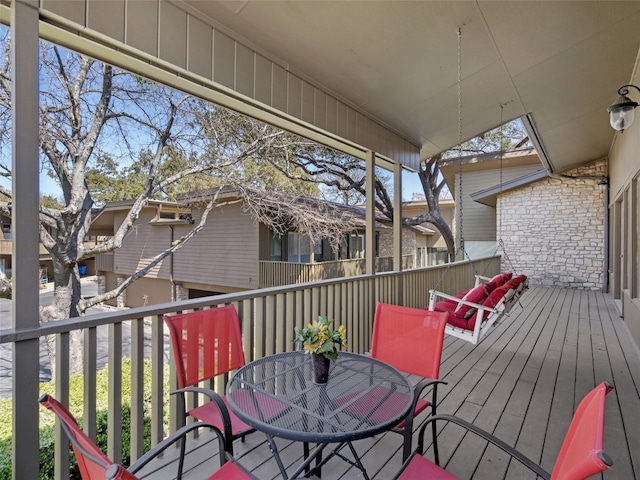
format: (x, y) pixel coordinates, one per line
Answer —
(419, 468)
(229, 471)
(364, 405)
(580, 455)
(210, 413)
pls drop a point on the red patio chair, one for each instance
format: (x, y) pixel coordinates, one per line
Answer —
(411, 340)
(208, 343)
(95, 465)
(580, 456)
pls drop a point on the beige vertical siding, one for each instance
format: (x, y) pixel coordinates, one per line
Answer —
(225, 252)
(142, 244)
(478, 221)
(148, 291)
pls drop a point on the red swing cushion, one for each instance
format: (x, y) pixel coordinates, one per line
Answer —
(475, 295)
(491, 301)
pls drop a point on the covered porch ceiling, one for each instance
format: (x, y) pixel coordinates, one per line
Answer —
(560, 62)
(378, 75)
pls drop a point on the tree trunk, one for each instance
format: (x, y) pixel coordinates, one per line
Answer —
(66, 296)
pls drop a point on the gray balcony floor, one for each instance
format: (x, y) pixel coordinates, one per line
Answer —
(522, 382)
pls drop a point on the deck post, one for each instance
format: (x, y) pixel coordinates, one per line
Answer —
(370, 236)
(25, 249)
(397, 228)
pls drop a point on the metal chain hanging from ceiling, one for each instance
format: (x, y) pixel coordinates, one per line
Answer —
(461, 245)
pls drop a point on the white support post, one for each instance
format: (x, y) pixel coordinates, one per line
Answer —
(24, 217)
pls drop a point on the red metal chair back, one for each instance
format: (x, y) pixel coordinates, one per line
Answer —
(206, 343)
(581, 455)
(92, 462)
(410, 339)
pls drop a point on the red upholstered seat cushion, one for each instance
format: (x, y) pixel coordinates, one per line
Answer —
(420, 468)
(491, 301)
(445, 306)
(475, 295)
(459, 322)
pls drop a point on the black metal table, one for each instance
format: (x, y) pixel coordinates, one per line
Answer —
(276, 395)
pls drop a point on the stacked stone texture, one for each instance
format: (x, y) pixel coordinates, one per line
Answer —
(553, 230)
(385, 242)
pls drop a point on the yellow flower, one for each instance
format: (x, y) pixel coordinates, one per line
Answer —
(318, 337)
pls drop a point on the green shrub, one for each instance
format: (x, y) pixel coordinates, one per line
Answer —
(47, 420)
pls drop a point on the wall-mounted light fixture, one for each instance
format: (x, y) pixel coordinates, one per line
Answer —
(621, 112)
(603, 183)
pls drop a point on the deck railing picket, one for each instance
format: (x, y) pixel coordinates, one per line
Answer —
(137, 389)
(157, 378)
(114, 417)
(90, 369)
(62, 352)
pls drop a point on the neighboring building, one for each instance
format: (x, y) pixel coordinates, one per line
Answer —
(431, 247)
(6, 253)
(232, 253)
(551, 228)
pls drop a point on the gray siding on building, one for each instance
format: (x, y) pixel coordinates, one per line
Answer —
(225, 252)
(478, 222)
(141, 245)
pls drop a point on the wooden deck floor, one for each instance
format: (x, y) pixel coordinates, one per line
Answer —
(522, 383)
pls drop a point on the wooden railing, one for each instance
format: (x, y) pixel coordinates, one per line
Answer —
(268, 317)
(6, 248)
(276, 274)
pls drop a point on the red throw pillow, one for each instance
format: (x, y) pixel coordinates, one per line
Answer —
(490, 286)
(475, 295)
(495, 297)
(500, 279)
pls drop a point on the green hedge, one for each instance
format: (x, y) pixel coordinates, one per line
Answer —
(47, 420)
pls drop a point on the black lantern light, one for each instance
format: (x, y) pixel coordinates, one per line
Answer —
(621, 112)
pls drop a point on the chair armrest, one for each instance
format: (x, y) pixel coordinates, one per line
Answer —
(222, 407)
(422, 384)
(526, 461)
(173, 438)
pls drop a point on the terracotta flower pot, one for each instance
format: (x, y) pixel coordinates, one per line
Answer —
(320, 368)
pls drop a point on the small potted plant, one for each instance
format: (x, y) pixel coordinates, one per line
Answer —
(321, 341)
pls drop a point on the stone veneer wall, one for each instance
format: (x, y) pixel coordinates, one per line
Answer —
(181, 292)
(385, 242)
(553, 230)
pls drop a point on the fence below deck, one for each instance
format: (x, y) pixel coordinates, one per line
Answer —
(268, 317)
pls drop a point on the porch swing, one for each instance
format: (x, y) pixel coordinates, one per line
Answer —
(473, 313)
